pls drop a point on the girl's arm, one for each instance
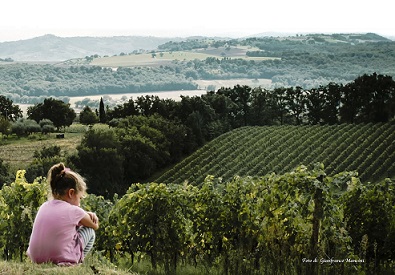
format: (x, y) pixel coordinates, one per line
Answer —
(90, 220)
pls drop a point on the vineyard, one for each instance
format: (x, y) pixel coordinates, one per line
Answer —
(368, 149)
(223, 211)
(300, 222)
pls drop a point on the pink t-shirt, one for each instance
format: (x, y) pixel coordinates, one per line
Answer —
(54, 237)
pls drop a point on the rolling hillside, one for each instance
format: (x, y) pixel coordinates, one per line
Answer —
(53, 48)
(368, 149)
(168, 58)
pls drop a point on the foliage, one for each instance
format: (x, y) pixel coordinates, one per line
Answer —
(102, 112)
(87, 116)
(151, 219)
(76, 128)
(24, 127)
(8, 110)
(134, 149)
(271, 224)
(5, 126)
(55, 110)
(46, 126)
(299, 222)
(100, 158)
(368, 98)
(43, 161)
(20, 201)
(214, 113)
(49, 152)
(369, 213)
(5, 173)
(105, 241)
(26, 83)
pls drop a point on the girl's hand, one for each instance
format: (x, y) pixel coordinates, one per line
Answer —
(90, 220)
(93, 217)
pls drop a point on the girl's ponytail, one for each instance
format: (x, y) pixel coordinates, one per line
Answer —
(61, 178)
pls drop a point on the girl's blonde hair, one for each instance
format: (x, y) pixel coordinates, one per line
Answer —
(61, 178)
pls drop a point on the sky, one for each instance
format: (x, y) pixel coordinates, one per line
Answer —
(23, 19)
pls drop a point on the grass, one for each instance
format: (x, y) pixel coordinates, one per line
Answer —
(93, 264)
(98, 264)
(142, 265)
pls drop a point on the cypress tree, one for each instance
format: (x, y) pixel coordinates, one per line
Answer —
(102, 112)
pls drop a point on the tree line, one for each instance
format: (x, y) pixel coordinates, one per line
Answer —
(369, 98)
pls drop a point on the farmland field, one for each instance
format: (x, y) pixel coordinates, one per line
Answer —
(19, 154)
(166, 58)
(146, 59)
(256, 151)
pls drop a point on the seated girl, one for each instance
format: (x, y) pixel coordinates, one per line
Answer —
(63, 233)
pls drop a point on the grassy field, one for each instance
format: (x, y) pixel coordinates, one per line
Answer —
(99, 265)
(18, 152)
(146, 59)
(164, 58)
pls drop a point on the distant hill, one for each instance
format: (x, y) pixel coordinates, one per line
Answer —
(53, 48)
(368, 149)
(345, 37)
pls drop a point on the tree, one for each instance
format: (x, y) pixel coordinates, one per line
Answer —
(145, 144)
(369, 98)
(332, 103)
(23, 127)
(57, 111)
(42, 162)
(315, 105)
(5, 126)
(261, 113)
(278, 103)
(100, 158)
(5, 174)
(296, 101)
(102, 112)
(323, 104)
(8, 110)
(196, 113)
(223, 109)
(46, 126)
(87, 116)
(241, 96)
(127, 109)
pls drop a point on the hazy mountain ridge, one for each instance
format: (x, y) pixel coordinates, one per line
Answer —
(53, 48)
